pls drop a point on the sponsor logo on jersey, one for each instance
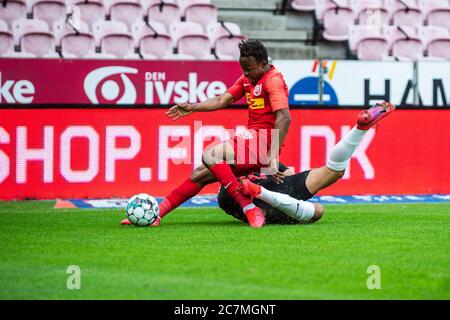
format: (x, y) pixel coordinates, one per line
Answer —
(257, 90)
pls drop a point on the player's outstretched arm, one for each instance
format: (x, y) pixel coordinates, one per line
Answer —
(184, 109)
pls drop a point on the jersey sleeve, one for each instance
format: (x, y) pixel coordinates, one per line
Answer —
(237, 89)
(278, 93)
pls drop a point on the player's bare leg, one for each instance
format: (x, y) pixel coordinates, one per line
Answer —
(339, 159)
(218, 160)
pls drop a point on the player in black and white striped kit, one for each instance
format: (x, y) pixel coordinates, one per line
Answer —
(286, 202)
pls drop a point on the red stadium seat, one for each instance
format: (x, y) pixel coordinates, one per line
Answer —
(113, 37)
(13, 10)
(430, 33)
(374, 16)
(410, 49)
(439, 48)
(152, 40)
(204, 14)
(429, 6)
(76, 42)
(374, 48)
(126, 11)
(159, 47)
(91, 11)
(191, 41)
(336, 22)
(6, 39)
(219, 29)
(62, 28)
(77, 46)
(359, 32)
(324, 5)
(359, 6)
(184, 4)
(440, 18)
(303, 5)
(181, 29)
(166, 13)
(226, 47)
(34, 37)
(408, 17)
(146, 4)
(405, 12)
(140, 29)
(22, 26)
(49, 10)
(394, 33)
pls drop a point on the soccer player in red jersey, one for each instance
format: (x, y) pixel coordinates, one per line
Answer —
(267, 97)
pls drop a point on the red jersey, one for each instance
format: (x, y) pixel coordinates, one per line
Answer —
(267, 96)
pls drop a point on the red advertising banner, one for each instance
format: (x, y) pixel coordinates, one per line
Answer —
(80, 153)
(58, 81)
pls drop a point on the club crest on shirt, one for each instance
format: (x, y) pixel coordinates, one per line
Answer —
(257, 90)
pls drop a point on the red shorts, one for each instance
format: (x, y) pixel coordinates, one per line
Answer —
(250, 153)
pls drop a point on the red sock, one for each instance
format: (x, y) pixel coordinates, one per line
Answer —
(225, 176)
(186, 190)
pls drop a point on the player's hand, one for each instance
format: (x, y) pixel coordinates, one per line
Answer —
(180, 110)
(276, 175)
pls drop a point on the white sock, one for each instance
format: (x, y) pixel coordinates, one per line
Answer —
(297, 209)
(343, 151)
(248, 207)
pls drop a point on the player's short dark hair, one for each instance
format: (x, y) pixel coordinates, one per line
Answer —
(253, 48)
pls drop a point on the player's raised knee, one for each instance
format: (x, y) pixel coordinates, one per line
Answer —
(318, 212)
(208, 159)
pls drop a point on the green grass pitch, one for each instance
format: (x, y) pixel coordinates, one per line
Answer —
(205, 254)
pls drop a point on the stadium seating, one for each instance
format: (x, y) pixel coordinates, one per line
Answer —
(371, 12)
(204, 14)
(126, 11)
(184, 4)
(226, 48)
(304, 5)
(408, 17)
(439, 48)
(216, 30)
(13, 10)
(113, 37)
(34, 37)
(324, 5)
(75, 42)
(337, 22)
(91, 11)
(359, 32)
(430, 33)
(191, 41)
(374, 48)
(6, 39)
(147, 3)
(386, 22)
(189, 29)
(394, 33)
(49, 10)
(224, 38)
(166, 13)
(152, 40)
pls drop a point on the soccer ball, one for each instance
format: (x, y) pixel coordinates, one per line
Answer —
(142, 209)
